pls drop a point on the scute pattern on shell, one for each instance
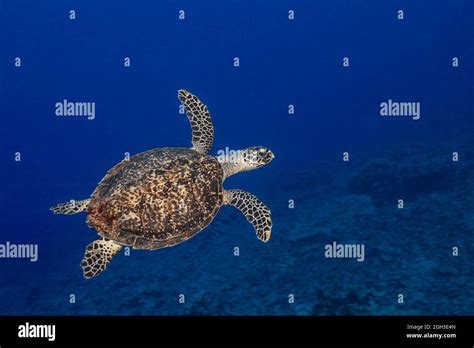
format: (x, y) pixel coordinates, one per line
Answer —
(157, 198)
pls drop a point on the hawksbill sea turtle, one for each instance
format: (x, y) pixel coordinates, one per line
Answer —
(164, 196)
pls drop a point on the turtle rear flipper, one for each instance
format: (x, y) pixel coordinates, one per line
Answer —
(71, 207)
(97, 256)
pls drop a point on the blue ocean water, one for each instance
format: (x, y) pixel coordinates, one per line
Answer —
(282, 62)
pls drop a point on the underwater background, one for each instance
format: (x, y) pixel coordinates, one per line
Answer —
(282, 62)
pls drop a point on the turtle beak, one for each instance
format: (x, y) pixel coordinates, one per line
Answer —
(270, 156)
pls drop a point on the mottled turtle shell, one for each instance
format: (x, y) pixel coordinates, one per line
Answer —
(157, 198)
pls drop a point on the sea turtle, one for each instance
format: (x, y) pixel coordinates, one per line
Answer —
(164, 196)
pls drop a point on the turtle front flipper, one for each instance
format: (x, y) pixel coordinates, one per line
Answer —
(71, 207)
(254, 210)
(97, 256)
(200, 120)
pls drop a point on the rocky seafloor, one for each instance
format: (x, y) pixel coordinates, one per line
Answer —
(408, 251)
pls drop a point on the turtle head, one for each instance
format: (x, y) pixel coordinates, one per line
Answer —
(247, 159)
(256, 157)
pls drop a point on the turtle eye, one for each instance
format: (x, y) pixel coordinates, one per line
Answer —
(264, 155)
